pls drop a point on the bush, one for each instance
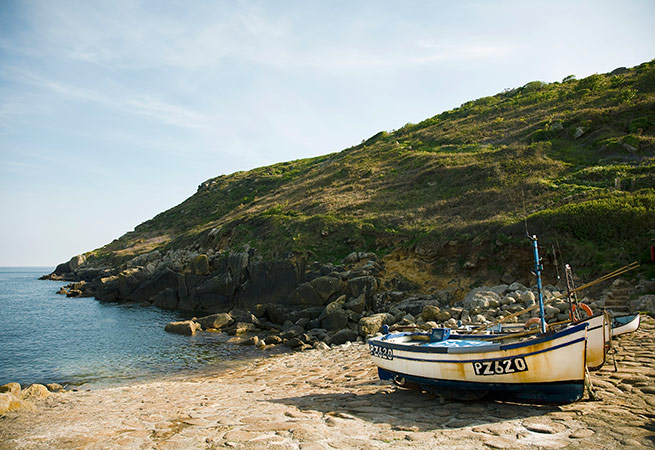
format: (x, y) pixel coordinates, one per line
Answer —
(593, 83)
(618, 218)
(641, 123)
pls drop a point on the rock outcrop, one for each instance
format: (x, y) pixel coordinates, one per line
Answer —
(12, 397)
(287, 302)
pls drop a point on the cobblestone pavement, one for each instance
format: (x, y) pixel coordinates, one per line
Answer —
(323, 399)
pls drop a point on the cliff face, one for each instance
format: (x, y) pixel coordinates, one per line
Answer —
(441, 203)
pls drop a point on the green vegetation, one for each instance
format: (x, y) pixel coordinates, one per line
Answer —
(576, 157)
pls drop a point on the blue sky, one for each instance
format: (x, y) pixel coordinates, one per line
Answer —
(113, 111)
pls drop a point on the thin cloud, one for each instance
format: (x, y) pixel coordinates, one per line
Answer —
(438, 51)
(150, 107)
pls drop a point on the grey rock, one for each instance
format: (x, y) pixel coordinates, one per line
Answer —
(366, 285)
(336, 319)
(372, 324)
(186, 327)
(270, 282)
(327, 286)
(343, 336)
(516, 286)
(166, 299)
(430, 312)
(219, 320)
(480, 297)
(479, 318)
(273, 340)
(200, 264)
(644, 303)
(305, 294)
(167, 278)
(551, 310)
(357, 304)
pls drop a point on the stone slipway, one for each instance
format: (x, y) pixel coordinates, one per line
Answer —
(323, 399)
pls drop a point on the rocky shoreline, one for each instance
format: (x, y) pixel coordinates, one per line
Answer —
(288, 302)
(332, 398)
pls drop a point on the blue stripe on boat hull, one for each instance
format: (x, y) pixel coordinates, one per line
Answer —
(544, 393)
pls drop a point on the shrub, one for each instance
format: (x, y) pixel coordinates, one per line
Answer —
(641, 123)
(602, 220)
(625, 95)
(593, 83)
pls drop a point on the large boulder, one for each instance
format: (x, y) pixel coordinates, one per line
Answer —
(238, 265)
(128, 282)
(645, 303)
(343, 336)
(219, 320)
(357, 304)
(166, 299)
(71, 266)
(12, 388)
(480, 298)
(366, 285)
(372, 324)
(162, 280)
(326, 286)
(222, 284)
(413, 305)
(270, 282)
(108, 289)
(277, 313)
(305, 295)
(334, 317)
(35, 392)
(430, 312)
(200, 264)
(9, 402)
(242, 316)
(185, 327)
(214, 294)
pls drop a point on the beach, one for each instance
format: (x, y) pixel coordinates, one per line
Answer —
(332, 398)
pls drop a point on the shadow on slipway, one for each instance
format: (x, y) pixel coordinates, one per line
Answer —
(413, 410)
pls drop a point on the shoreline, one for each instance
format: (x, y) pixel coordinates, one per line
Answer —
(333, 399)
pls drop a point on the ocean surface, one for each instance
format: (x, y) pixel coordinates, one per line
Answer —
(46, 337)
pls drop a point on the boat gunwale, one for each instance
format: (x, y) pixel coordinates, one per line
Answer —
(481, 359)
(418, 348)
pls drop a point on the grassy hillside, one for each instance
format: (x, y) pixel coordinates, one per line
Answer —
(578, 157)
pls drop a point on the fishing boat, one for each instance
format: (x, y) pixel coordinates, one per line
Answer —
(625, 324)
(598, 340)
(598, 336)
(548, 367)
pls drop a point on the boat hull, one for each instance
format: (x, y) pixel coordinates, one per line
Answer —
(625, 324)
(598, 338)
(544, 369)
(560, 392)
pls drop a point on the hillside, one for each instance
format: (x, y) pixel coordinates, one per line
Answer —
(450, 194)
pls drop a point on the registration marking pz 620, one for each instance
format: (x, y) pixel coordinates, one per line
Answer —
(381, 352)
(500, 366)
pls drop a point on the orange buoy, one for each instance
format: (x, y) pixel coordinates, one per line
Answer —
(583, 307)
(532, 322)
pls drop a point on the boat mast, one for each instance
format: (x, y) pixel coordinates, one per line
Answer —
(537, 270)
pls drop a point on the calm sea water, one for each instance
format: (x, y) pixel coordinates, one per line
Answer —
(46, 337)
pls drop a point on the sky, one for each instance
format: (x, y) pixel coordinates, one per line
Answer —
(114, 111)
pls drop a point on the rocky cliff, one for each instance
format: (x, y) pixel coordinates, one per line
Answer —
(432, 209)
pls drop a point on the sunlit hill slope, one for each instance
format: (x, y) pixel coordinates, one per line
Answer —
(574, 160)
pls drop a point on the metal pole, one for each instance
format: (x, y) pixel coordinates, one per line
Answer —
(537, 270)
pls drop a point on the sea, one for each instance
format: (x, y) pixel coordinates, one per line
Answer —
(46, 337)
